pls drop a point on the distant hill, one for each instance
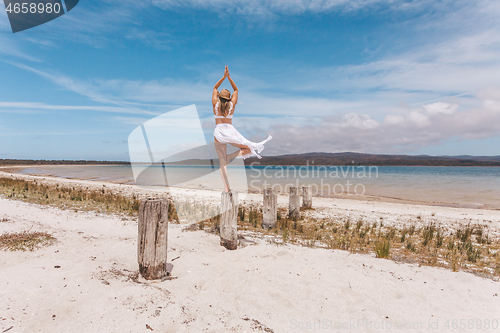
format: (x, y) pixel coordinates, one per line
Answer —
(347, 158)
(479, 158)
(377, 160)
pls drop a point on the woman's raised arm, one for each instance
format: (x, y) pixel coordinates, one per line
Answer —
(215, 92)
(234, 98)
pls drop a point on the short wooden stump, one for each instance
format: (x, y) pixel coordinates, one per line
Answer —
(270, 209)
(294, 203)
(152, 241)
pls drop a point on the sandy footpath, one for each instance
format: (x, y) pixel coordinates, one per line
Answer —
(260, 287)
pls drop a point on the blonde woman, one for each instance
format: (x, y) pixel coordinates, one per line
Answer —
(225, 133)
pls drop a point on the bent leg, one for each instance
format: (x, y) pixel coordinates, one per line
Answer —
(232, 156)
(244, 150)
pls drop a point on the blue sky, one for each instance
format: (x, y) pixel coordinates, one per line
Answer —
(374, 76)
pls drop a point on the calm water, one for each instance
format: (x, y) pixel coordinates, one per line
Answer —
(464, 186)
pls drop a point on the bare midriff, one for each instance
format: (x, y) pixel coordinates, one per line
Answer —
(223, 121)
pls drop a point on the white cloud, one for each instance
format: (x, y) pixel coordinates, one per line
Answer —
(440, 107)
(490, 93)
(392, 119)
(418, 119)
(406, 132)
(362, 121)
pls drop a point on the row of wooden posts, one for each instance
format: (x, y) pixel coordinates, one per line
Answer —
(153, 225)
(229, 208)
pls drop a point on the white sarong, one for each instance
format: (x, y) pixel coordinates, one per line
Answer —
(226, 133)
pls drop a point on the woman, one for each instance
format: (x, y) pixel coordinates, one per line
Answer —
(225, 133)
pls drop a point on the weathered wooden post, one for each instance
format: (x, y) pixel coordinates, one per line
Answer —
(307, 197)
(294, 203)
(152, 243)
(228, 220)
(270, 209)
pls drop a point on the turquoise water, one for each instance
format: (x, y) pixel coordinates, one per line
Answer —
(463, 186)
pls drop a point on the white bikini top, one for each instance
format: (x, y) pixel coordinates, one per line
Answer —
(229, 116)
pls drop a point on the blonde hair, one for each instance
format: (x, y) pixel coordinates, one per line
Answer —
(223, 106)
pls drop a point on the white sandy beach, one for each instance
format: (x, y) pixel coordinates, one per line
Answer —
(259, 287)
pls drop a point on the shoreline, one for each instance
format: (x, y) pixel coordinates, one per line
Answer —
(13, 170)
(111, 163)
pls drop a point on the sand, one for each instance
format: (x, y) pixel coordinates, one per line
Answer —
(87, 281)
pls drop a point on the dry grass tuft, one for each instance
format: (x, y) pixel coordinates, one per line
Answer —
(469, 247)
(382, 248)
(25, 241)
(75, 198)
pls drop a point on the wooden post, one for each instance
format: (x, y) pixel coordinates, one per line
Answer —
(307, 196)
(294, 204)
(152, 243)
(270, 209)
(228, 220)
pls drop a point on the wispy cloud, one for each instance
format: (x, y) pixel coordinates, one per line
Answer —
(41, 41)
(16, 106)
(156, 91)
(113, 92)
(39, 134)
(463, 65)
(96, 24)
(93, 24)
(158, 40)
(13, 49)
(267, 8)
(137, 121)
